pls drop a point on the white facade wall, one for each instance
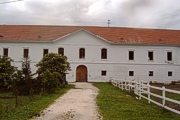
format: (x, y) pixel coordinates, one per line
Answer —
(117, 63)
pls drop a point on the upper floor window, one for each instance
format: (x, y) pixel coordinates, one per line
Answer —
(26, 53)
(81, 53)
(104, 53)
(5, 51)
(150, 55)
(131, 55)
(45, 51)
(169, 56)
(61, 51)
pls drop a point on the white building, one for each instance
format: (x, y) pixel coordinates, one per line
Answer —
(98, 53)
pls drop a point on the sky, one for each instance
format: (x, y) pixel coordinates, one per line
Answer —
(163, 14)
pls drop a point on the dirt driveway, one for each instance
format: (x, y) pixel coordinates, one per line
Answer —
(77, 104)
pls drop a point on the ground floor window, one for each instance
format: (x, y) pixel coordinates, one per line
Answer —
(103, 73)
(151, 73)
(169, 73)
(131, 73)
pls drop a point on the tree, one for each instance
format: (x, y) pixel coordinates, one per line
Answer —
(54, 63)
(6, 71)
(26, 71)
(24, 77)
(51, 70)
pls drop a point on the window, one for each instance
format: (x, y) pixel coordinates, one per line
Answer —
(104, 53)
(81, 53)
(169, 56)
(61, 51)
(26, 53)
(131, 55)
(45, 51)
(169, 73)
(131, 73)
(150, 55)
(151, 73)
(5, 51)
(103, 73)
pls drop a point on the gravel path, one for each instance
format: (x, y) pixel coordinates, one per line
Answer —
(77, 104)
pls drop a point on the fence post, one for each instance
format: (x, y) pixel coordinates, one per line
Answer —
(148, 90)
(163, 96)
(15, 92)
(125, 85)
(129, 85)
(121, 85)
(140, 86)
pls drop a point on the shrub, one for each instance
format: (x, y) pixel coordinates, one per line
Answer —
(51, 71)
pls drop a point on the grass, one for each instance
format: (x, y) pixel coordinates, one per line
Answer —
(29, 106)
(115, 104)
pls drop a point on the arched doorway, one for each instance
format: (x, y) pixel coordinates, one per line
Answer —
(81, 73)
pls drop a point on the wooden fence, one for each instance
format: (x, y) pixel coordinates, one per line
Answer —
(142, 90)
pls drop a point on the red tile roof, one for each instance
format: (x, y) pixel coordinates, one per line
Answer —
(119, 35)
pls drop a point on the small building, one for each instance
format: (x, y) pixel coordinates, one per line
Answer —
(98, 53)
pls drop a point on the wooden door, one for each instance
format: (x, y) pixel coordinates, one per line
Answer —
(81, 74)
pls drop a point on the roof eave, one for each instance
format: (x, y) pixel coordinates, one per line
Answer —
(23, 41)
(143, 44)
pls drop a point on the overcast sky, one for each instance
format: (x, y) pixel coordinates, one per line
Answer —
(121, 13)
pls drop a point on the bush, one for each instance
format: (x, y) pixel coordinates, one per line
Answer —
(51, 71)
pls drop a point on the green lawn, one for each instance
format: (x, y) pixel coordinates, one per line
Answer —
(28, 105)
(115, 104)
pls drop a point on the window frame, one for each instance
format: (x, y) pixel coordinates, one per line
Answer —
(131, 73)
(104, 53)
(170, 73)
(150, 55)
(151, 73)
(103, 72)
(45, 51)
(169, 56)
(82, 53)
(61, 51)
(5, 52)
(25, 52)
(131, 54)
